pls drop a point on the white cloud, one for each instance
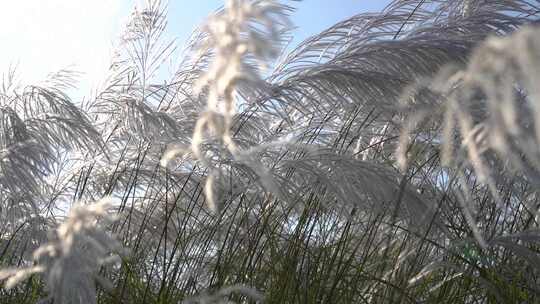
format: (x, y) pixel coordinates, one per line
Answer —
(43, 36)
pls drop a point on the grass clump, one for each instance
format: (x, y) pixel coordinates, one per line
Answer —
(392, 158)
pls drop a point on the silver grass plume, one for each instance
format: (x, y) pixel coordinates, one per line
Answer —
(36, 122)
(130, 101)
(71, 260)
(487, 114)
(244, 30)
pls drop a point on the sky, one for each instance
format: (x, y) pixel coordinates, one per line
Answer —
(43, 36)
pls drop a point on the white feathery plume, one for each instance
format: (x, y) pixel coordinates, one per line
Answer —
(490, 113)
(244, 30)
(71, 260)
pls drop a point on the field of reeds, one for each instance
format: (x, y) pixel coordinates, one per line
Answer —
(392, 158)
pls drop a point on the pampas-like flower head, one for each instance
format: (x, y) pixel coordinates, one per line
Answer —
(71, 260)
(244, 30)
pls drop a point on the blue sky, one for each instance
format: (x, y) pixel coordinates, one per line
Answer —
(310, 17)
(47, 35)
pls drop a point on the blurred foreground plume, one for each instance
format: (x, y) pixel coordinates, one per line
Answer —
(71, 260)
